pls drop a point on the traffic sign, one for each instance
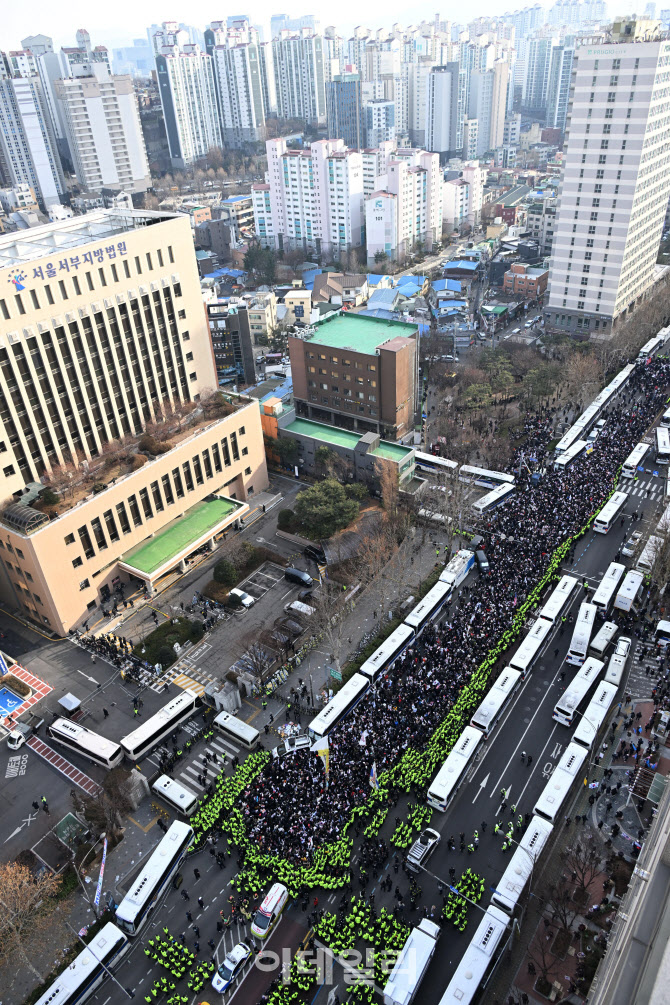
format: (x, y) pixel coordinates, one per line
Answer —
(335, 674)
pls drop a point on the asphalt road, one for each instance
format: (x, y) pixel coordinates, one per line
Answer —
(527, 726)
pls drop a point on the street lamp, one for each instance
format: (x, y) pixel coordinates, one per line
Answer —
(101, 838)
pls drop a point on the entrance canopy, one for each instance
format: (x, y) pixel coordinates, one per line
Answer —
(178, 539)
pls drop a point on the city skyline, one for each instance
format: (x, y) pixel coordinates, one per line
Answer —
(140, 15)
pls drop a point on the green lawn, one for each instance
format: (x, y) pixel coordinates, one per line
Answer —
(201, 519)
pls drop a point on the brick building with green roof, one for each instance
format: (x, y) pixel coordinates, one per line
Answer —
(358, 373)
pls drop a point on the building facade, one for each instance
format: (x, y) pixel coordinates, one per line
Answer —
(615, 186)
(406, 211)
(299, 75)
(243, 90)
(28, 143)
(188, 96)
(344, 109)
(358, 373)
(312, 198)
(379, 122)
(102, 125)
(231, 342)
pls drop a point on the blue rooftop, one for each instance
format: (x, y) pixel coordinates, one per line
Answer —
(232, 273)
(378, 312)
(374, 279)
(383, 298)
(236, 198)
(466, 266)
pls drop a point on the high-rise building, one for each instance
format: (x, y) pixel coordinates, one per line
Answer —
(103, 130)
(538, 56)
(558, 93)
(282, 22)
(102, 334)
(405, 211)
(379, 120)
(615, 186)
(240, 72)
(27, 138)
(312, 198)
(487, 104)
(344, 110)
(299, 75)
(188, 95)
(443, 130)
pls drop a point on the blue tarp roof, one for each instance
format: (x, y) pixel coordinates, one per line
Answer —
(467, 266)
(309, 276)
(452, 303)
(383, 298)
(373, 279)
(280, 391)
(378, 312)
(446, 284)
(233, 273)
(409, 289)
(237, 198)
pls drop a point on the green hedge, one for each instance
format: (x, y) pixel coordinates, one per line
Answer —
(158, 644)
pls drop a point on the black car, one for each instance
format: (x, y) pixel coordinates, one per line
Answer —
(298, 576)
(316, 554)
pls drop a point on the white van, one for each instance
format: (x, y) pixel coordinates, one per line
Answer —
(268, 914)
(297, 607)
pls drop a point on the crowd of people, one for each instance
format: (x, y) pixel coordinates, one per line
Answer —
(290, 808)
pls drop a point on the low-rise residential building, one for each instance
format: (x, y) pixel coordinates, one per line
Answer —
(231, 341)
(359, 373)
(526, 281)
(540, 223)
(262, 313)
(237, 211)
(340, 288)
(298, 304)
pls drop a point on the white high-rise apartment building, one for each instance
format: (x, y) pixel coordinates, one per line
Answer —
(559, 84)
(27, 139)
(615, 185)
(406, 210)
(299, 76)
(442, 127)
(379, 121)
(188, 95)
(312, 198)
(487, 104)
(244, 77)
(104, 134)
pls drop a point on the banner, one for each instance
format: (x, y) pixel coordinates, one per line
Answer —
(321, 747)
(98, 891)
(3, 666)
(374, 784)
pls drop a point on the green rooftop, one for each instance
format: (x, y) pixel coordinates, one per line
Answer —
(359, 334)
(320, 431)
(392, 451)
(175, 539)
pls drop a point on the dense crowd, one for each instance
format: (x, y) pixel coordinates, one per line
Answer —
(289, 809)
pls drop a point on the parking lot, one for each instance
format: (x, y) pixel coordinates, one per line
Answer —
(262, 580)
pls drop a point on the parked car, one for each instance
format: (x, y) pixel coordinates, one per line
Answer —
(317, 554)
(290, 746)
(289, 627)
(298, 576)
(623, 646)
(422, 849)
(231, 967)
(631, 544)
(245, 599)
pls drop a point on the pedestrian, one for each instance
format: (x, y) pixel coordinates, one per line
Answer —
(201, 903)
(196, 873)
(529, 761)
(105, 713)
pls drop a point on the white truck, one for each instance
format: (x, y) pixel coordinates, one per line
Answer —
(455, 572)
(22, 730)
(412, 964)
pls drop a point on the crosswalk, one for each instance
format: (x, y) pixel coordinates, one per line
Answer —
(217, 747)
(644, 671)
(188, 677)
(651, 490)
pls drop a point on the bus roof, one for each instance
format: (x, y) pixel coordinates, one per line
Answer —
(354, 687)
(143, 887)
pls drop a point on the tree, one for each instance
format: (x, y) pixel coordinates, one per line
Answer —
(225, 572)
(256, 659)
(287, 450)
(546, 963)
(324, 508)
(380, 256)
(331, 608)
(582, 861)
(560, 900)
(28, 913)
(105, 810)
(448, 498)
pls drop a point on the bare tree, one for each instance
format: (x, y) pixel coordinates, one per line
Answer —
(561, 903)
(332, 606)
(449, 501)
(257, 658)
(541, 956)
(105, 811)
(28, 913)
(583, 864)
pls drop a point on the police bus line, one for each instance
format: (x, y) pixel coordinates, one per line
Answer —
(382, 660)
(581, 635)
(590, 416)
(610, 512)
(475, 964)
(89, 969)
(575, 696)
(630, 592)
(607, 589)
(635, 460)
(153, 878)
